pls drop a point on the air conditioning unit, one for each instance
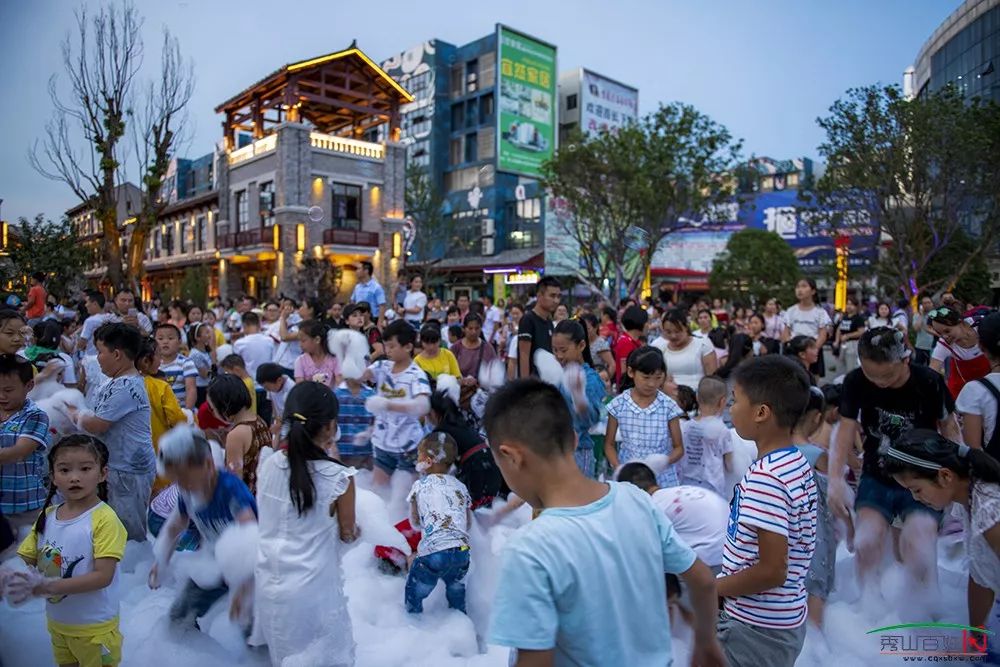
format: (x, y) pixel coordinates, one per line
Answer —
(488, 227)
(487, 246)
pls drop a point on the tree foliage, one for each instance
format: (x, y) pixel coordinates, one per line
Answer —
(920, 172)
(49, 247)
(655, 175)
(423, 202)
(755, 266)
(972, 287)
(194, 284)
(317, 277)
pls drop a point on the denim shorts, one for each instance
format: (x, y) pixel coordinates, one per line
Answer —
(891, 501)
(391, 461)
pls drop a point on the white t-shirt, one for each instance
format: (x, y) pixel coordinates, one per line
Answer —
(700, 518)
(706, 441)
(494, 316)
(686, 366)
(512, 347)
(394, 431)
(256, 349)
(90, 325)
(279, 397)
(806, 322)
(876, 322)
(975, 399)
(943, 352)
(443, 504)
(288, 350)
(415, 300)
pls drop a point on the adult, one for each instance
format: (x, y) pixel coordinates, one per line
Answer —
(94, 303)
(492, 320)
(471, 352)
(299, 604)
(463, 304)
(979, 401)
(957, 346)
(774, 324)
(852, 326)
(367, 290)
(510, 351)
(535, 330)
(334, 317)
(925, 340)
(882, 317)
(756, 326)
(561, 313)
(128, 313)
(285, 331)
(689, 358)
(270, 315)
(34, 306)
(415, 302)
(436, 311)
(178, 315)
(703, 323)
(808, 318)
(882, 400)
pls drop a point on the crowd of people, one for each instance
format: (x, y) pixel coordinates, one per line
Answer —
(698, 461)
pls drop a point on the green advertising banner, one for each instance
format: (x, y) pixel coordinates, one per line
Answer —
(526, 135)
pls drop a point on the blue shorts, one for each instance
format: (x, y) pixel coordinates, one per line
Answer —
(889, 501)
(389, 462)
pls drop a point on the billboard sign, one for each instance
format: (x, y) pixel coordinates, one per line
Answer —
(526, 132)
(562, 252)
(605, 104)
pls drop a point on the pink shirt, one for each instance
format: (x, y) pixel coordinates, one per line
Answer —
(307, 369)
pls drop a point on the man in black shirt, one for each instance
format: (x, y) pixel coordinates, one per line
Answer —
(886, 398)
(535, 330)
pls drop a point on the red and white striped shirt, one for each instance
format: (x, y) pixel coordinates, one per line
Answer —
(778, 495)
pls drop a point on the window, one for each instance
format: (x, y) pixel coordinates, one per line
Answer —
(266, 199)
(455, 155)
(470, 147)
(456, 117)
(241, 211)
(486, 109)
(524, 223)
(346, 211)
(419, 154)
(182, 237)
(201, 233)
(471, 113)
(456, 81)
(570, 102)
(472, 76)
(467, 233)
(419, 85)
(168, 240)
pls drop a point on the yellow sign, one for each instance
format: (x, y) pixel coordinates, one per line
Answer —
(525, 278)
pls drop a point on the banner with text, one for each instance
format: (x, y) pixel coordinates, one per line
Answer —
(526, 133)
(606, 104)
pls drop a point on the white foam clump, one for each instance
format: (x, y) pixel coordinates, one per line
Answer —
(55, 406)
(351, 349)
(492, 375)
(744, 454)
(236, 553)
(549, 368)
(49, 386)
(377, 528)
(223, 351)
(449, 385)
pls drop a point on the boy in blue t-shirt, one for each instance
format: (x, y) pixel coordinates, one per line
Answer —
(212, 499)
(772, 523)
(583, 584)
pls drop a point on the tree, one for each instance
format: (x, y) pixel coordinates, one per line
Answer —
(423, 202)
(156, 135)
(49, 247)
(639, 183)
(755, 266)
(194, 284)
(317, 277)
(920, 172)
(972, 287)
(101, 66)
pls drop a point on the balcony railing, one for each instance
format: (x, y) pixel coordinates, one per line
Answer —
(249, 238)
(350, 237)
(326, 142)
(259, 147)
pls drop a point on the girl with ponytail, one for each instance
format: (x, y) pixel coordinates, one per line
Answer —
(303, 492)
(939, 472)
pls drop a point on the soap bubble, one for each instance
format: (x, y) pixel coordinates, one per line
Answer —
(315, 213)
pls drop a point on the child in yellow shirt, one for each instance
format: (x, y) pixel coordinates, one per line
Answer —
(432, 359)
(165, 412)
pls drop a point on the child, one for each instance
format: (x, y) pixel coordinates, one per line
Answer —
(641, 413)
(807, 318)
(75, 548)
(24, 437)
(122, 416)
(164, 410)
(574, 578)
(355, 423)
(454, 335)
(476, 468)
(203, 356)
(213, 499)
(315, 363)
(805, 350)
(708, 444)
(275, 381)
(820, 579)
(634, 322)
(256, 348)
(440, 505)
(230, 401)
(432, 359)
(299, 604)
(939, 472)
(233, 364)
(586, 397)
(401, 399)
(772, 525)
(179, 371)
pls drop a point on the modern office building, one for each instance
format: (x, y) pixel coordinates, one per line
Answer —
(483, 121)
(592, 103)
(963, 51)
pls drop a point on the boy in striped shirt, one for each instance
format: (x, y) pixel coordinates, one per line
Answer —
(772, 524)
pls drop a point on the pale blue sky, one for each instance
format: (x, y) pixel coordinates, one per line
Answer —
(764, 68)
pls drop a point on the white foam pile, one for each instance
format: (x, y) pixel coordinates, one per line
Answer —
(386, 635)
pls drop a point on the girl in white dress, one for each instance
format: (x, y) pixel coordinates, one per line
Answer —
(938, 472)
(306, 509)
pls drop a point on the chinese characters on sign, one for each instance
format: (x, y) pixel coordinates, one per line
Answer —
(605, 104)
(527, 119)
